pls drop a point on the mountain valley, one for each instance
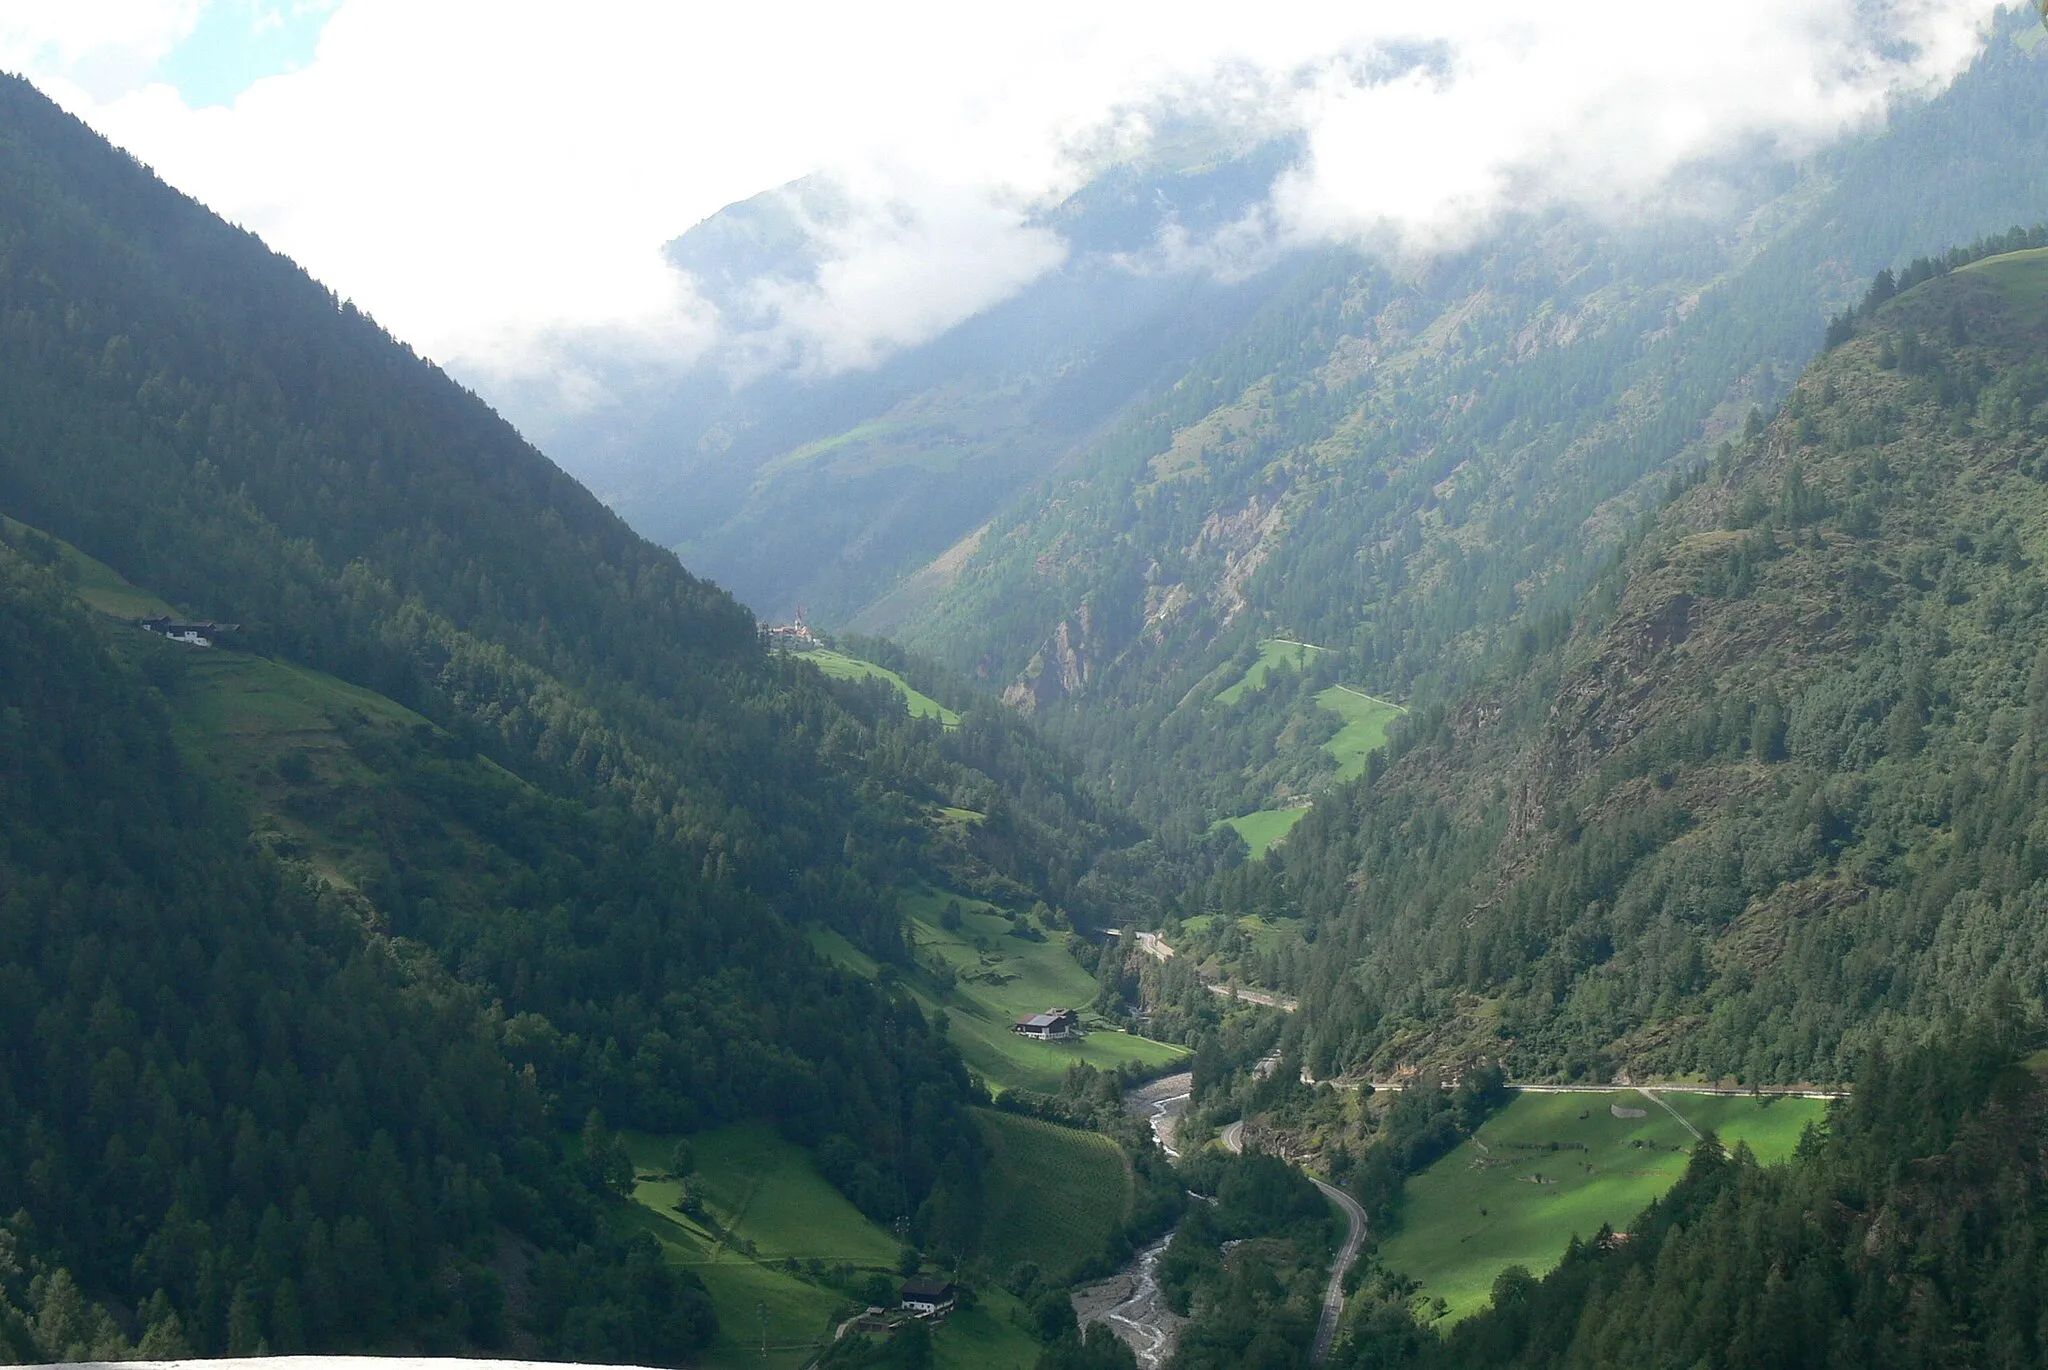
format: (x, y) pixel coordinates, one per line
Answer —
(1530, 754)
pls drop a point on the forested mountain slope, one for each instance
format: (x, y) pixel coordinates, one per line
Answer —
(536, 822)
(232, 1112)
(1775, 796)
(1412, 467)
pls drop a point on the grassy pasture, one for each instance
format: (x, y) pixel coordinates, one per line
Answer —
(764, 1190)
(987, 1338)
(1505, 1198)
(1263, 829)
(2021, 276)
(1000, 979)
(1273, 652)
(839, 666)
(96, 583)
(1366, 721)
(1055, 1195)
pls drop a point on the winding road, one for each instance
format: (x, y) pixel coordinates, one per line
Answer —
(1156, 947)
(1232, 1137)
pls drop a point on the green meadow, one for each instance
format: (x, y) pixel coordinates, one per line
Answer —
(2021, 276)
(1263, 829)
(778, 1214)
(999, 978)
(842, 667)
(1366, 720)
(1273, 652)
(1364, 730)
(95, 582)
(1055, 1194)
(1506, 1197)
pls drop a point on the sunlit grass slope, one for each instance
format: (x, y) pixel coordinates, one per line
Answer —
(1055, 1195)
(2022, 276)
(1273, 652)
(1262, 829)
(842, 667)
(1506, 1198)
(94, 582)
(1366, 721)
(777, 1211)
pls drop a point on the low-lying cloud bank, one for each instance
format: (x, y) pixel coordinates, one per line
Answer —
(497, 182)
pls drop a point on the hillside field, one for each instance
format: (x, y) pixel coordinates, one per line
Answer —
(1055, 1194)
(1263, 829)
(839, 666)
(1504, 1197)
(999, 979)
(95, 583)
(1273, 652)
(1366, 720)
(765, 1191)
(2022, 276)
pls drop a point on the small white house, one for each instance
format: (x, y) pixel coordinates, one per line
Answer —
(189, 634)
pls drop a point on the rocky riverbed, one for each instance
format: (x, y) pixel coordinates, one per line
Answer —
(1131, 1305)
(1129, 1302)
(1163, 1101)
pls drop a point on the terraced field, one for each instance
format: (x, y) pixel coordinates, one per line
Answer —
(1055, 1195)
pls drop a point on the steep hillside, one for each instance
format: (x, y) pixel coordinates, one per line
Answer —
(1774, 798)
(235, 1113)
(1412, 467)
(483, 737)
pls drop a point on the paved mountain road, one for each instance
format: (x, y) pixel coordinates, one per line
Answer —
(1347, 1256)
(1232, 1138)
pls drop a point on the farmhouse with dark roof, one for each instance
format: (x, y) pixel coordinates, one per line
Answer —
(1053, 1025)
(928, 1297)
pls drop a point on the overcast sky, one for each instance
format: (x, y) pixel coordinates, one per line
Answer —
(489, 176)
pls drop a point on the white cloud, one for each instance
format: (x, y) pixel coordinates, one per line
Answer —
(491, 177)
(903, 260)
(98, 48)
(1598, 102)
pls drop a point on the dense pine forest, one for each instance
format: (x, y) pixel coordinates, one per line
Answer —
(315, 1092)
(231, 1113)
(1772, 798)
